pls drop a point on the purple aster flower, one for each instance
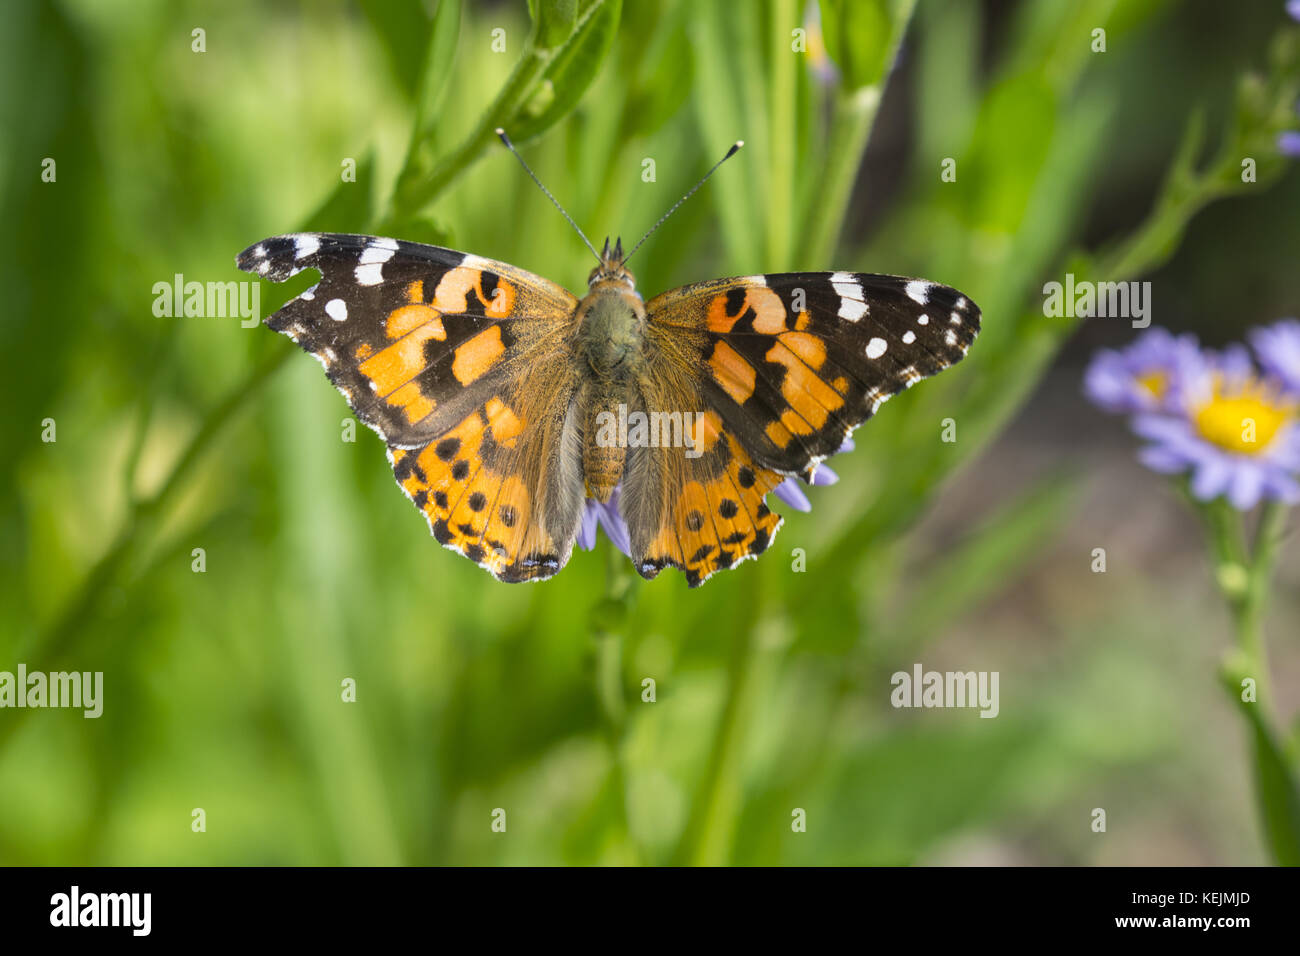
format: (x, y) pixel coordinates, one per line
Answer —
(1277, 347)
(1288, 144)
(1238, 437)
(1293, 8)
(1148, 376)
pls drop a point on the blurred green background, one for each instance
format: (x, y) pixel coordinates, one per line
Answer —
(223, 688)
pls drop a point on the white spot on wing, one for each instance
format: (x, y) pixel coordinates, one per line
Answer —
(336, 309)
(852, 309)
(918, 290)
(876, 348)
(954, 319)
(376, 253)
(372, 273)
(846, 285)
(909, 337)
(950, 337)
(923, 319)
(305, 245)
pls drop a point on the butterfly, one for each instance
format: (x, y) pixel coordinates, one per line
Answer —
(507, 402)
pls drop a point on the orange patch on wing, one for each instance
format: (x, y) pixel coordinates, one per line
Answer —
(769, 310)
(452, 294)
(803, 321)
(393, 367)
(811, 399)
(732, 372)
(408, 318)
(412, 401)
(717, 319)
(712, 525)
(808, 347)
(841, 385)
(503, 299)
(363, 352)
(477, 355)
(505, 424)
(778, 434)
(705, 430)
(453, 287)
(797, 423)
(438, 460)
(415, 292)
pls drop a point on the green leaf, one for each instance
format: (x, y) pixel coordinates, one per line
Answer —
(439, 58)
(861, 35)
(401, 28)
(570, 71)
(1275, 781)
(554, 20)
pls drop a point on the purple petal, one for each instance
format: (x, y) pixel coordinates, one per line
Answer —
(790, 492)
(1288, 144)
(1277, 347)
(1162, 460)
(847, 446)
(1211, 479)
(587, 528)
(1247, 486)
(1281, 487)
(824, 476)
(612, 521)
(1293, 8)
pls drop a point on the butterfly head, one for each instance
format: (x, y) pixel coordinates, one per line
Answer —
(611, 267)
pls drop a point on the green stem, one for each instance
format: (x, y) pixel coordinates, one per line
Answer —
(853, 114)
(608, 620)
(422, 179)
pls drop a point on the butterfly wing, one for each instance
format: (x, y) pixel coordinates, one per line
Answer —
(786, 367)
(459, 363)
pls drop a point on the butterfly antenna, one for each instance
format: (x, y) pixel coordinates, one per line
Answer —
(731, 152)
(511, 146)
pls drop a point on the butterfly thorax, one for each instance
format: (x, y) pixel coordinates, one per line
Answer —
(610, 342)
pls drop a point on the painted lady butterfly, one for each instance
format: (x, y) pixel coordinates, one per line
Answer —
(496, 390)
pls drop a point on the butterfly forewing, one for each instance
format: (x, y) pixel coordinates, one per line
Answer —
(794, 362)
(448, 357)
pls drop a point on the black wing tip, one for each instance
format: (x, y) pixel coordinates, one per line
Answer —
(277, 257)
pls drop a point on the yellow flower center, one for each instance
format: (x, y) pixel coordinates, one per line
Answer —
(1155, 382)
(1245, 420)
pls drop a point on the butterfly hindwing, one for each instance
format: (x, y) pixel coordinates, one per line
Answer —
(793, 362)
(439, 352)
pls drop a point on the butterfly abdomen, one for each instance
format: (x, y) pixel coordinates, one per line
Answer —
(611, 343)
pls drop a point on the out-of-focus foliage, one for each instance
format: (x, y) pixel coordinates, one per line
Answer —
(223, 688)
